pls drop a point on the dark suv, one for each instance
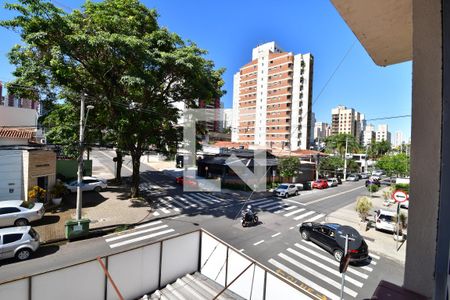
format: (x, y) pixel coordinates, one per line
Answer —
(324, 235)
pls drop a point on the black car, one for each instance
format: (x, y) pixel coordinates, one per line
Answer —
(373, 181)
(324, 235)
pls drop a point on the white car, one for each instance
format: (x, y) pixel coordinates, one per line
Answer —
(19, 242)
(87, 184)
(384, 220)
(378, 173)
(19, 213)
(332, 182)
(286, 190)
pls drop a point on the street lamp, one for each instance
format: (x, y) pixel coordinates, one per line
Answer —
(83, 120)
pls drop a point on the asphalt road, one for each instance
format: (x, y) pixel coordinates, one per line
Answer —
(275, 242)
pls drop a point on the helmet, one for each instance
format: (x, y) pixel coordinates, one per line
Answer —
(249, 207)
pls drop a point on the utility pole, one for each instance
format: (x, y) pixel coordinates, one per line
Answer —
(345, 159)
(80, 157)
(80, 162)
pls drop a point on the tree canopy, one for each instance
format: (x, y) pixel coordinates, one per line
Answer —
(336, 144)
(115, 53)
(289, 166)
(394, 164)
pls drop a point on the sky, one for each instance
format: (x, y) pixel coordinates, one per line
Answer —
(230, 29)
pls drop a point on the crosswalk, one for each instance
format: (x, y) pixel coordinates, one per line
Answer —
(294, 212)
(309, 264)
(140, 233)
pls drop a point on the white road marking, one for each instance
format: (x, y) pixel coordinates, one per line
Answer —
(372, 262)
(304, 280)
(331, 196)
(148, 224)
(202, 198)
(318, 275)
(123, 236)
(156, 213)
(291, 227)
(258, 202)
(331, 261)
(326, 268)
(242, 250)
(257, 243)
(285, 209)
(177, 202)
(314, 218)
(304, 215)
(195, 201)
(296, 202)
(164, 210)
(141, 238)
(269, 204)
(294, 212)
(187, 202)
(374, 256)
(274, 235)
(367, 268)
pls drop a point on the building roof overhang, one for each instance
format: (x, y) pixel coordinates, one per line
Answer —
(384, 27)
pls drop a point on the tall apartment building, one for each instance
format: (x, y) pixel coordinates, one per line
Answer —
(227, 118)
(383, 133)
(347, 120)
(272, 98)
(398, 139)
(368, 135)
(321, 130)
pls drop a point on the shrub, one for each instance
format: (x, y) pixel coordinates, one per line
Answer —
(363, 206)
(373, 188)
(58, 190)
(36, 194)
(403, 187)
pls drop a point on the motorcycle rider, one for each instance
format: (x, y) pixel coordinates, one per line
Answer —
(249, 213)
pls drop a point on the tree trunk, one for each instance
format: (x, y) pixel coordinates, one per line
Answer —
(135, 178)
(119, 166)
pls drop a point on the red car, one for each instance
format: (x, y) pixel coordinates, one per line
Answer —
(320, 184)
(189, 181)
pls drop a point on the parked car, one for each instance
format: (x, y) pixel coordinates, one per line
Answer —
(189, 181)
(324, 235)
(353, 177)
(378, 173)
(384, 220)
(320, 184)
(404, 204)
(19, 242)
(364, 175)
(299, 186)
(373, 181)
(286, 190)
(388, 181)
(332, 182)
(87, 184)
(20, 213)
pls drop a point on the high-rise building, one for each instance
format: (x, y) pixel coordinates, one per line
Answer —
(398, 139)
(321, 130)
(311, 133)
(347, 120)
(227, 118)
(383, 133)
(368, 135)
(272, 99)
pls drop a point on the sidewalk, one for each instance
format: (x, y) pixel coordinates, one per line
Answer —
(379, 242)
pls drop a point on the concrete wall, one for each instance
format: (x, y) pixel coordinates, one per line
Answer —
(20, 117)
(11, 183)
(39, 163)
(426, 148)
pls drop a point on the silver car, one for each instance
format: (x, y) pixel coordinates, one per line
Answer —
(18, 242)
(20, 213)
(87, 184)
(286, 190)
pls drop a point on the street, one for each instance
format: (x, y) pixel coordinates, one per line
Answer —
(275, 242)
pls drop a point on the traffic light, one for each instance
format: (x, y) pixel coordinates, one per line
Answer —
(345, 260)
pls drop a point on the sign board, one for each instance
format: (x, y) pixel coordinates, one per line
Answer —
(354, 238)
(399, 196)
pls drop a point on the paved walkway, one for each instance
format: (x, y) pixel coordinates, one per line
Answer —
(382, 243)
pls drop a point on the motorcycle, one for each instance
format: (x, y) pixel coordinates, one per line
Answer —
(249, 220)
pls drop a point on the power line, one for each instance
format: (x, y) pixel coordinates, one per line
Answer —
(388, 118)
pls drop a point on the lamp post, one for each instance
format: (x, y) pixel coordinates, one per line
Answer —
(83, 120)
(345, 159)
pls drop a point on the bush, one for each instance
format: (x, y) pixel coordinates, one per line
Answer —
(373, 188)
(363, 206)
(58, 190)
(403, 187)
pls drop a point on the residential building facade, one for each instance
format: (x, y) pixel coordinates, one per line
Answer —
(368, 135)
(347, 120)
(398, 139)
(383, 133)
(321, 130)
(227, 118)
(272, 99)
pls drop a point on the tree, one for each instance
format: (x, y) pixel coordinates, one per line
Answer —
(289, 166)
(331, 164)
(378, 149)
(129, 67)
(363, 206)
(394, 164)
(336, 144)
